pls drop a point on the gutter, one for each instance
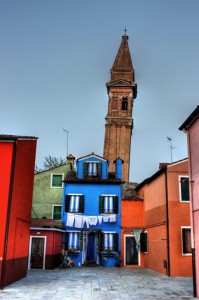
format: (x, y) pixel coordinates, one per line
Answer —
(167, 222)
(8, 213)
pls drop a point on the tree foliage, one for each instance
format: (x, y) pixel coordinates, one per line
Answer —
(50, 162)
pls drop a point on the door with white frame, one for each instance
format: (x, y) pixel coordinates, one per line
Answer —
(131, 252)
(37, 252)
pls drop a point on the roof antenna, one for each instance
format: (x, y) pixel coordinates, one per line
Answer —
(67, 132)
(169, 139)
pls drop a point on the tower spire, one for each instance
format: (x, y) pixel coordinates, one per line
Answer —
(119, 124)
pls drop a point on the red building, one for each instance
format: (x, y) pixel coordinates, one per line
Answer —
(17, 160)
(45, 244)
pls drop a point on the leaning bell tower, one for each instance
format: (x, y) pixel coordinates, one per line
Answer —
(122, 91)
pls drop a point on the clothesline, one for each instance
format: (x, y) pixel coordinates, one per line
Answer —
(78, 221)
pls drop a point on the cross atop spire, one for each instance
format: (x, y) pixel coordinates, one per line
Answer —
(125, 30)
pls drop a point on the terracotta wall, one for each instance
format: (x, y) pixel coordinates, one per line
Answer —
(131, 218)
(179, 216)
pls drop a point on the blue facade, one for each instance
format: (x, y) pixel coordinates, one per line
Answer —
(91, 213)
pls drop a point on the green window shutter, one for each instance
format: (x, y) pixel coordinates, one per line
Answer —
(80, 240)
(143, 242)
(85, 170)
(102, 241)
(67, 203)
(99, 170)
(116, 204)
(101, 204)
(66, 242)
(115, 241)
(81, 204)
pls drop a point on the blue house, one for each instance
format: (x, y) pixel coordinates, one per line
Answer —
(91, 212)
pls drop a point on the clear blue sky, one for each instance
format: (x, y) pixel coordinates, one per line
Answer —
(55, 59)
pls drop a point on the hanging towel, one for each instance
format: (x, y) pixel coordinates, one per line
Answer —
(85, 220)
(100, 219)
(78, 221)
(70, 220)
(105, 219)
(112, 218)
(92, 220)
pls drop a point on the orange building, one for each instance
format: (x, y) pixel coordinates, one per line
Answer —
(132, 223)
(166, 227)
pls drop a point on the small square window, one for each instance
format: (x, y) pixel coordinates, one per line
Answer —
(186, 240)
(56, 181)
(57, 212)
(184, 188)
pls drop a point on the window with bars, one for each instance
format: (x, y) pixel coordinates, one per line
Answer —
(186, 240)
(74, 203)
(57, 212)
(108, 204)
(92, 170)
(184, 188)
(109, 241)
(56, 180)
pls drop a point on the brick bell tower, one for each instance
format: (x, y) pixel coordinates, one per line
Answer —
(122, 91)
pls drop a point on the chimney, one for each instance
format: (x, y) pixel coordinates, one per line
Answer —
(70, 159)
(118, 168)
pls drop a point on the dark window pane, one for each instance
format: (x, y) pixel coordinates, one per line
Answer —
(57, 181)
(184, 189)
(57, 213)
(186, 240)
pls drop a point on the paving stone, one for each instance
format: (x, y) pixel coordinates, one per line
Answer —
(98, 284)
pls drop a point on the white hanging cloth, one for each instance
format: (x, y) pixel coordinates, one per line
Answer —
(70, 220)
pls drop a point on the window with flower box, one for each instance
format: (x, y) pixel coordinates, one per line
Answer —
(74, 241)
(108, 204)
(74, 203)
(109, 242)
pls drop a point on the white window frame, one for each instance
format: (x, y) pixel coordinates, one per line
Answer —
(180, 193)
(53, 210)
(185, 227)
(56, 187)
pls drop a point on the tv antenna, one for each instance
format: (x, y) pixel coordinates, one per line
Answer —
(169, 139)
(67, 132)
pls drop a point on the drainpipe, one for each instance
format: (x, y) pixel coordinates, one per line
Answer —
(8, 213)
(167, 222)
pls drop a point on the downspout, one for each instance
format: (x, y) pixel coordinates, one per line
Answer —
(167, 222)
(8, 213)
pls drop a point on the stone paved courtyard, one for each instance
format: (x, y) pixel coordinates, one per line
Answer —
(98, 283)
